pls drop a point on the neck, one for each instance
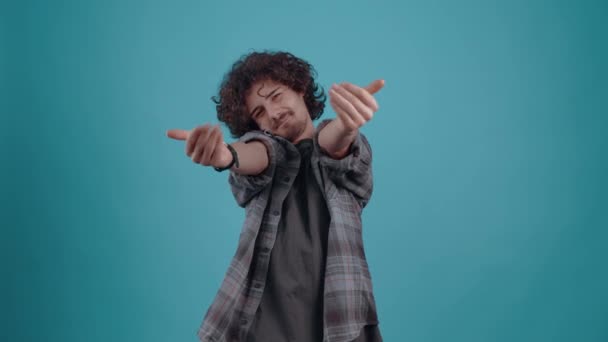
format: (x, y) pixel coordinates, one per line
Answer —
(307, 132)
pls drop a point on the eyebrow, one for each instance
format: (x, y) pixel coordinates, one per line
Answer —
(267, 96)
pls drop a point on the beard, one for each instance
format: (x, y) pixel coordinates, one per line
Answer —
(290, 129)
(294, 131)
(293, 126)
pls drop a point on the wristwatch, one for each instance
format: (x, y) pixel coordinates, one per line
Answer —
(235, 160)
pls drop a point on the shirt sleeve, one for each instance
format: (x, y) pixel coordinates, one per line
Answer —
(354, 171)
(246, 187)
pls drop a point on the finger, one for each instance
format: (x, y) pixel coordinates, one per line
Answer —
(362, 94)
(192, 138)
(362, 109)
(348, 108)
(201, 144)
(375, 86)
(342, 115)
(346, 121)
(178, 134)
(209, 146)
(219, 141)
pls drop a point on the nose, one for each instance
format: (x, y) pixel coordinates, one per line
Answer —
(275, 113)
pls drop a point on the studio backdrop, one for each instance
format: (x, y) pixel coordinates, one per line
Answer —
(488, 220)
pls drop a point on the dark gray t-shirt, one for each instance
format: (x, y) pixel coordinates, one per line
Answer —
(291, 308)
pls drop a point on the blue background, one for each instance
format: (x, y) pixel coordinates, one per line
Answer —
(489, 216)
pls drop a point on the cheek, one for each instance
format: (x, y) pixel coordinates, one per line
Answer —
(296, 105)
(301, 106)
(263, 123)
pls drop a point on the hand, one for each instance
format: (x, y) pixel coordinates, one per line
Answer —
(354, 105)
(204, 145)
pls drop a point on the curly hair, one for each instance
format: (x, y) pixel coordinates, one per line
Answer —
(281, 67)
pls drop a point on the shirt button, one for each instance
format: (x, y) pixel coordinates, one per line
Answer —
(265, 249)
(286, 179)
(243, 321)
(257, 286)
(276, 213)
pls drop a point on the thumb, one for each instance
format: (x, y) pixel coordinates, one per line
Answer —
(375, 86)
(178, 134)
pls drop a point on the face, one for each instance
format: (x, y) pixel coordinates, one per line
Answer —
(279, 110)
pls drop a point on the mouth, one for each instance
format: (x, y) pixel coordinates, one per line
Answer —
(285, 117)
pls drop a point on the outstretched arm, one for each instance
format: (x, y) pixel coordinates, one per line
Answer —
(205, 145)
(354, 107)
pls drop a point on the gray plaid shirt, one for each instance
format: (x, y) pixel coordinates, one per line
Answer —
(347, 185)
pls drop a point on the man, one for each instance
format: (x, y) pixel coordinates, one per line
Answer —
(299, 272)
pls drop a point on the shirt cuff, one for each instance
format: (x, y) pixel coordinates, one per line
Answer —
(358, 157)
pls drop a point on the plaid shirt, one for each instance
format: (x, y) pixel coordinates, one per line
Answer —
(346, 185)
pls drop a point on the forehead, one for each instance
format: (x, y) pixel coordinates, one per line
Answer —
(259, 89)
(263, 87)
